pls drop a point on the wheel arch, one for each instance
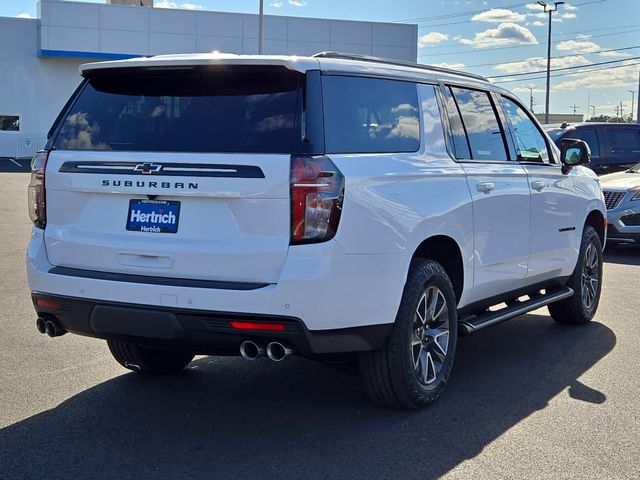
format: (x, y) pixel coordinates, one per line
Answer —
(446, 251)
(597, 220)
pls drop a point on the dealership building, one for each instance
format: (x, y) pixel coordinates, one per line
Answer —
(39, 58)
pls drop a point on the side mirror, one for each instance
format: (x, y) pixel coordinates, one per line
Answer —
(573, 153)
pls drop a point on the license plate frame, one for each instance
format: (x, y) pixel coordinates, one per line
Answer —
(153, 216)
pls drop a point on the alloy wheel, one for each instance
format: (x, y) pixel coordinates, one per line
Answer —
(430, 340)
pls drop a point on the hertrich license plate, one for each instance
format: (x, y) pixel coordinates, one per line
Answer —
(155, 216)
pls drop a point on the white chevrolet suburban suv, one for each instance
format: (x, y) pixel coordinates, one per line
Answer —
(335, 207)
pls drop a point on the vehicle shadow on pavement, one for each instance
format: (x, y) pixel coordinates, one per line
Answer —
(12, 165)
(624, 255)
(229, 418)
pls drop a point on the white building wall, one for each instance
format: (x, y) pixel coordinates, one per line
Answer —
(121, 30)
(34, 88)
(39, 59)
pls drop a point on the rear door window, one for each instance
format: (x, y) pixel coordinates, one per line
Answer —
(624, 141)
(236, 109)
(370, 115)
(480, 124)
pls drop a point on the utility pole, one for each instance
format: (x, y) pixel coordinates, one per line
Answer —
(638, 104)
(621, 114)
(617, 111)
(575, 108)
(633, 97)
(261, 28)
(550, 11)
(531, 102)
(594, 110)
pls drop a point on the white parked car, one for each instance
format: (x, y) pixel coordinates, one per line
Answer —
(334, 206)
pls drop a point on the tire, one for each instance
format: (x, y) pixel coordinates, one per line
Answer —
(411, 371)
(582, 306)
(148, 360)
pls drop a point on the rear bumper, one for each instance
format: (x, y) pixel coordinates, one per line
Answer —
(203, 332)
(332, 297)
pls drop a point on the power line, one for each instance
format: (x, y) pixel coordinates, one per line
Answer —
(561, 56)
(564, 34)
(510, 80)
(565, 68)
(421, 21)
(481, 50)
(473, 12)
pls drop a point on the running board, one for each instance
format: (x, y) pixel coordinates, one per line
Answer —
(488, 319)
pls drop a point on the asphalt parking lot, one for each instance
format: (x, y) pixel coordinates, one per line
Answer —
(528, 399)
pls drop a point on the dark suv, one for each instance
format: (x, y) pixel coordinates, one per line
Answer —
(614, 146)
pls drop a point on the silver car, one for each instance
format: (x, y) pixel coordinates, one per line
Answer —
(622, 196)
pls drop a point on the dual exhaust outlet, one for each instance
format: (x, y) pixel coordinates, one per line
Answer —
(50, 326)
(276, 351)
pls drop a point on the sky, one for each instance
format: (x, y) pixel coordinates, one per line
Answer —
(500, 39)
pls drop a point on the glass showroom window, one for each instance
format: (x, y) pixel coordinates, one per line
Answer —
(9, 123)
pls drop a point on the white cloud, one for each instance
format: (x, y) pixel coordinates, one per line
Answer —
(578, 46)
(583, 36)
(171, 4)
(570, 8)
(537, 23)
(567, 16)
(297, 3)
(526, 90)
(432, 38)
(505, 34)
(24, 15)
(277, 4)
(625, 77)
(535, 64)
(452, 66)
(614, 54)
(534, 6)
(499, 15)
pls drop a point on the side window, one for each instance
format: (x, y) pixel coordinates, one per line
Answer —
(624, 140)
(588, 135)
(531, 145)
(481, 124)
(370, 115)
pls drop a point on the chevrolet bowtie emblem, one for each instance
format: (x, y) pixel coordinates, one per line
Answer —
(147, 168)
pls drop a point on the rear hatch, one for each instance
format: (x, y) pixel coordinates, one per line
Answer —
(176, 172)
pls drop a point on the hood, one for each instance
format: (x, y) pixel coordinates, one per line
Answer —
(621, 181)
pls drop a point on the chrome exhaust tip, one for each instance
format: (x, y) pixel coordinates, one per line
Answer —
(277, 351)
(250, 350)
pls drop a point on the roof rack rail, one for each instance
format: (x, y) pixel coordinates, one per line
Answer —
(390, 61)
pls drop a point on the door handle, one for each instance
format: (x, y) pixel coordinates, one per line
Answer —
(538, 185)
(485, 187)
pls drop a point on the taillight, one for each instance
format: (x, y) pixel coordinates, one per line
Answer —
(36, 191)
(317, 190)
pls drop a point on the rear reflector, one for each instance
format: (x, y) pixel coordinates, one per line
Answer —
(41, 302)
(271, 327)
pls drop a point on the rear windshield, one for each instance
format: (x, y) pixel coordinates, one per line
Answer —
(213, 109)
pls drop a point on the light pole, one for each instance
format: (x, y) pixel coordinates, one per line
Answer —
(594, 110)
(633, 97)
(261, 27)
(531, 89)
(550, 11)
